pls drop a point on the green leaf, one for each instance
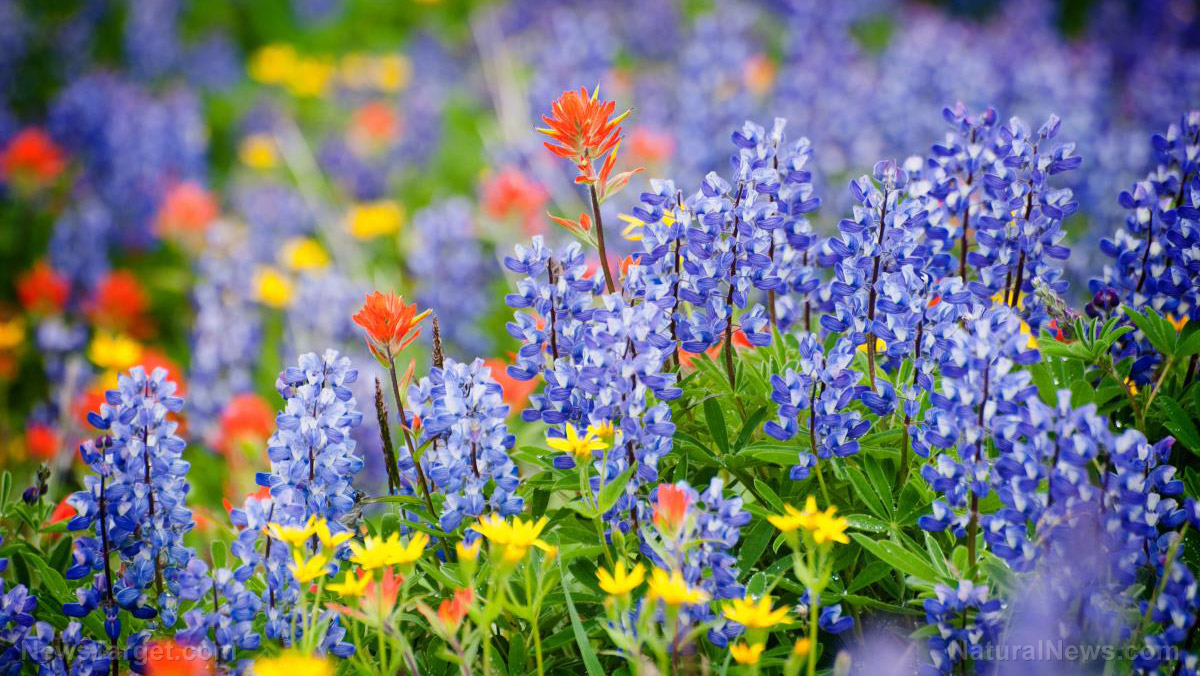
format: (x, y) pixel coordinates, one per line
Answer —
(879, 481)
(218, 554)
(767, 454)
(1189, 344)
(5, 488)
(716, 424)
(774, 502)
(900, 558)
(1158, 330)
(1179, 423)
(750, 427)
(612, 490)
(867, 523)
(755, 544)
(874, 572)
(590, 661)
(865, 492)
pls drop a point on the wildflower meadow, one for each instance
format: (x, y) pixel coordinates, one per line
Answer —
(507, 337)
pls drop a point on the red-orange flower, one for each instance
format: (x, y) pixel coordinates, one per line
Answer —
(247, 418)
(375, 121)
(42, 289)
(62, 511)
(671, 507)
(454, 609)
(515, 392)
(650, 146)
(511, 193)
(31, 156)
(41, 441)
(390, 323)
(173, 658)
(186, 211)
(118, 302)
(582, 132)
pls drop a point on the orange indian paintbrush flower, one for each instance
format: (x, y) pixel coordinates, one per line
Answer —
(390, 323)
(582, 132)
(671, 507)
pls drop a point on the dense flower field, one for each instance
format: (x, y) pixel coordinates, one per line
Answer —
(430, 338)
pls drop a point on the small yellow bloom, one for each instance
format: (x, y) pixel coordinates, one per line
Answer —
(329, 540)
(746, 654)
(514, 538)
(373, 219)
(272, 287)
(620, 583)
(12, 333)
(296, 536)
(801, 647)
(351, 586)
(580, 447)
(114, 351)
(307, 570)
(634, 225)
(468, 552)
(1178, 323)
(273, 64)
(392, 73)
(291, 663)
(378, 552)
(823, 526)
(603, 429)
(790, 520)
(304, 253)
(310, 77)
(673, 589)
(756, 614)
(257, 151)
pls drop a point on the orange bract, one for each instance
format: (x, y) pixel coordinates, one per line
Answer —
(390, 323)
(671, 507)
(454, 609)
(582, 132)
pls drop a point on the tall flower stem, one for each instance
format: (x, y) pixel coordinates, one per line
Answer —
(872, 293)
(608, 276)
(406, 429)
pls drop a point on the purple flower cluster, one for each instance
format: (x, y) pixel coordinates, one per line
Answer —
(463, 418)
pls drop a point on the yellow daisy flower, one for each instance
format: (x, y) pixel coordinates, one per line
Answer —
(351, 586)
(373, 219)
(304, 253)
(514, 538)
(272, 287)
(257, 151)
(756, 614)
(580, 447)
(673, 589)
(307, 570)
(746, 654)
(291, 663)
(114, 351)
(619, 582)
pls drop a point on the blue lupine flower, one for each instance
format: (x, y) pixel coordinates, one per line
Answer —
(16, 617)
(135, 501)
(44, 647)
(979, 389)
(463, 415)
(312, 454)
(825, 386)
(453, 273)
(962, 636)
